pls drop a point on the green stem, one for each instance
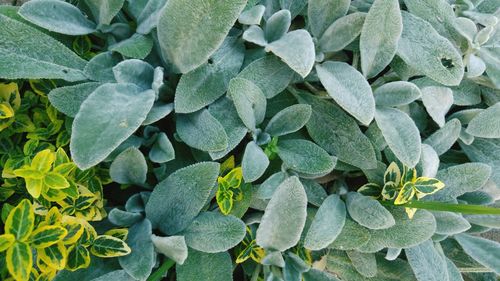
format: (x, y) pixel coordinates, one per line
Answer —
(161, 271)
(447, 207)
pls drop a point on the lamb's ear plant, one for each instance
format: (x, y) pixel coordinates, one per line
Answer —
(250, 140)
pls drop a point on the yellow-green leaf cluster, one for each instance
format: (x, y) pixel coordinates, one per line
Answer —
(229, 186)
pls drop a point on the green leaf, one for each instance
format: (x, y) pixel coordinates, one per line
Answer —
(115, 275)
(423, 49)
(255, 34)
(269, 73)
(406, 194)
(484, 251)
(296, 49)
(108, 246)
(249, 101)
(336, 132)
(173, 247)
(129, 167)
(224, 200)
(322, 13)
(19, 261)
(97, 132)
(379, 36)
(57, 16)
(138, 46)
(396, 94)
(252, 15)
(460, 179)
(368, 212)
(437, 101)
(277, 25)
(404, 234)
(284, 217)
(104, 10)
(202, 131)
(134, 71)
(402, 137)
(351, 237)
(124, 218)
(6, 240)
(213, 232)
(100, 67)
(254, 162)
(349, 89)
(209, 82)
(188, 190)
(327, 224)
(342, 32)
(189, 33)
(42, 56)
(224, 111)
(448, 223)
(425, 186)
(148, 18)
(364, 263)
(69, 99)
(444, 138)
(305, 157)
(140, 262)
(162, 150)
(426, 262)
(486, 123)
(54, 256)
(205, 266)
(318, 275)
(21, 220)
(289, 120)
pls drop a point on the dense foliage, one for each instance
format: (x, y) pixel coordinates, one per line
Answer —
(249, 140)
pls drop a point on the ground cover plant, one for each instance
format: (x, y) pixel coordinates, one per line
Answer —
(250, 140)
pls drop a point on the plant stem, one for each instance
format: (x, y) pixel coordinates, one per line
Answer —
(161, 271)
(446, 207)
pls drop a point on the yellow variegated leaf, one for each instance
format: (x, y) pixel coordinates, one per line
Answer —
(78, 257)
(10, 93)
(28, 173)
(65, 168)
(409, 175)
(19, 261)
(234, 177)
(88, 214)
(257, 254)
(106, 246)
(46, 236)
(46, 276)
(42, 266)
(6, 240)
(54, 256)
(42, 86)
(390, 190)
(392, 174)
(21, 220)
(55, 181)
(370, 189)
(61, 158)
(425, 186)
(227, 165)
(6, 111)
(120, 233)
(43, 160)
(34, 275)
(34, 187)
(224, 200)
(405, 194)
(89, 234)
(53, 195)
(410, 212)
(53, 216)
(74, 229)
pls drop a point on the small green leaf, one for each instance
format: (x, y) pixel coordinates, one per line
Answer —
(327, 224)
(129, 167)
(57, 16)
(289, 120)
(249, 101)
(189, 43)
(173, 247)
(437, 101)
(104, 10)
(396, 93)
(284, 217)
(322, 13)
(380, 35)
(296, 49)
(368, 212)
(205, 266)
(202, 131)
(486, 123)
(342, 32)
(138, 46)
(305, 157)
(254, 162)
(212, 232)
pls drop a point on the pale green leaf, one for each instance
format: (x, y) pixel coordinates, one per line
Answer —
(486, 124)
(396, 93)
(426, 262)
(129, 167)
(202, 131)
(68, 99)
(289, 120)
(437, 101)
(322, 13)
(368, 212)
(174, 247)
(254, 162)
(249, 101)
(205, 266)
(342, 32)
